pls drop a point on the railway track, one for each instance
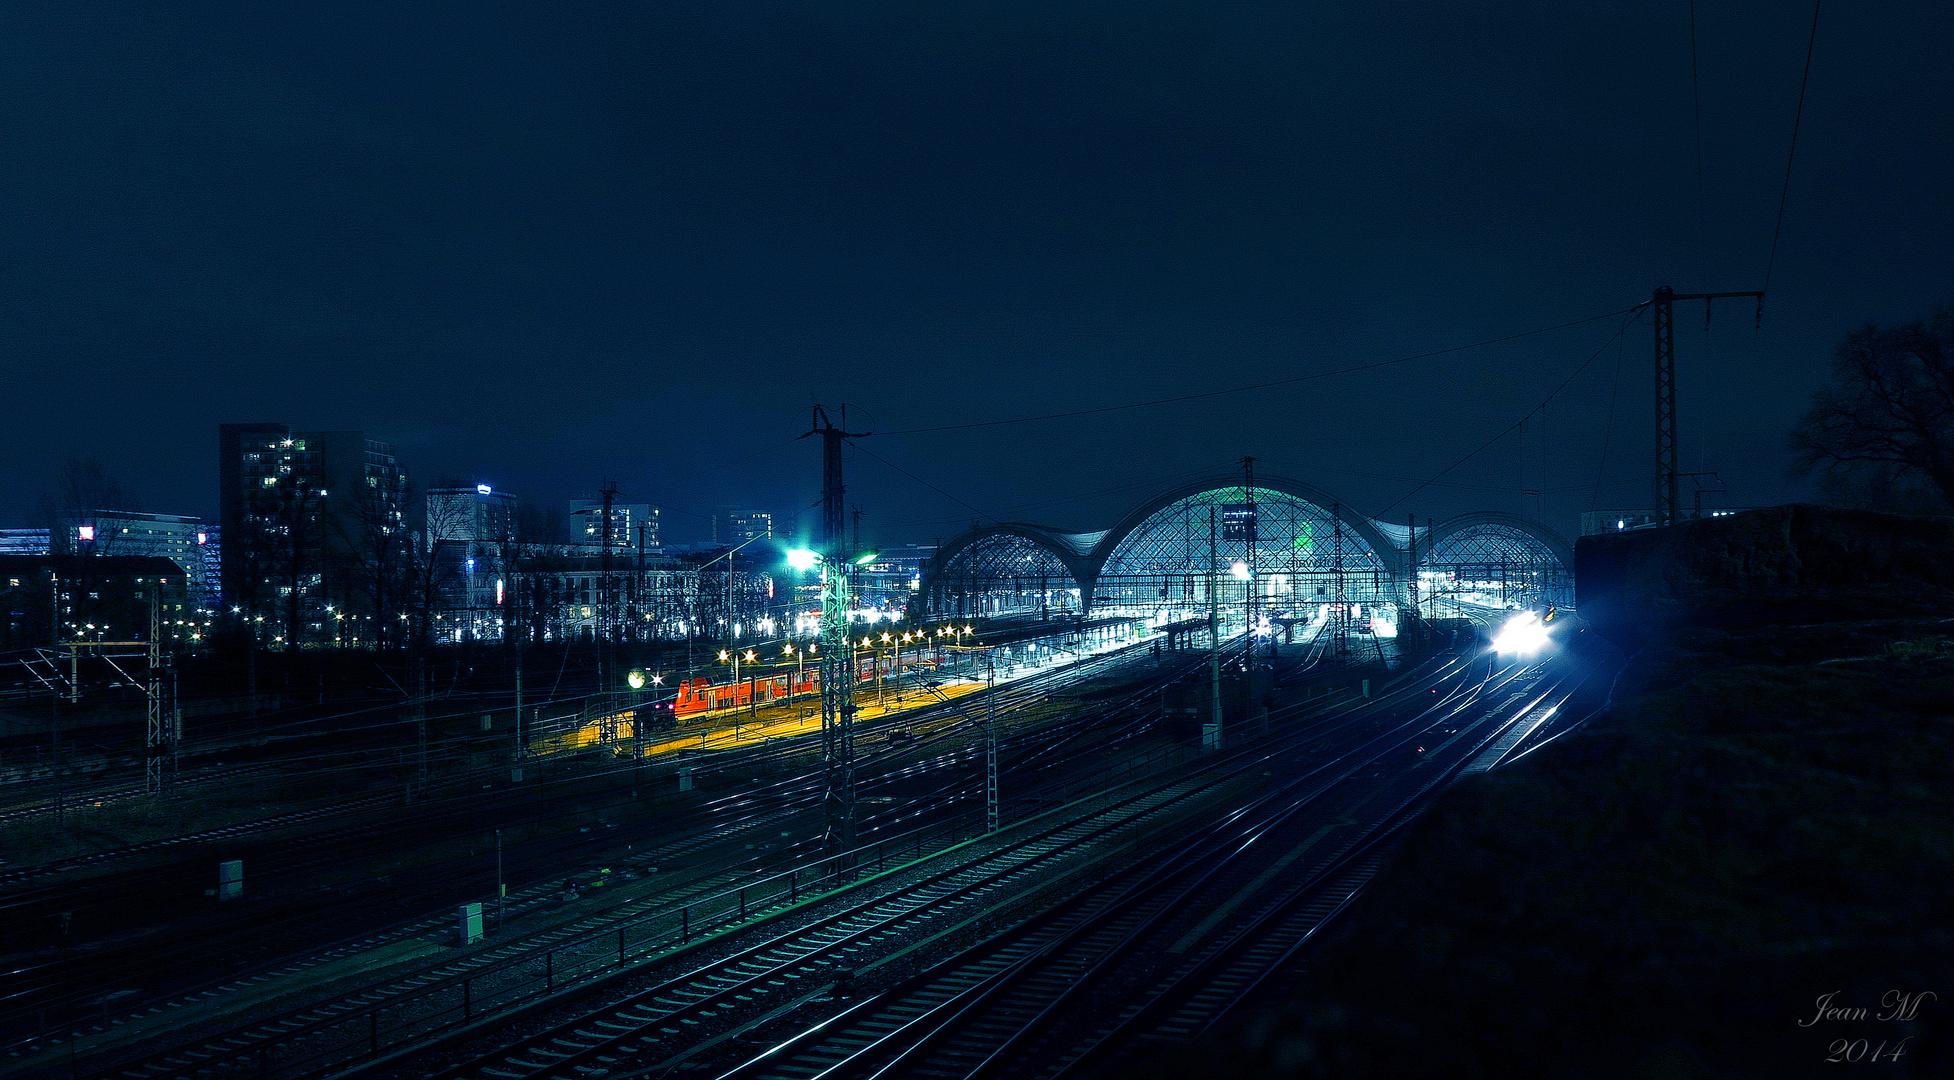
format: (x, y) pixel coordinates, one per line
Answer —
(1024, 1002)
(616, 1036)
(758, 818)
(313, 1041)
(1042, 745)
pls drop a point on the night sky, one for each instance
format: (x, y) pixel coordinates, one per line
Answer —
(537, 245)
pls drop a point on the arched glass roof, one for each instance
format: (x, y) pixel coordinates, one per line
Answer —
(1296, 550)
(1003, 570)
(1295, 543)
(1495, 560)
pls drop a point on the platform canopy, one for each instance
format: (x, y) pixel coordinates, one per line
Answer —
(1277, 548)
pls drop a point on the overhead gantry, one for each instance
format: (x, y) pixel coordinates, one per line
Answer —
(1281, 548)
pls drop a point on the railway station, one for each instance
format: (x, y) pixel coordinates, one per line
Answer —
(1250, 554)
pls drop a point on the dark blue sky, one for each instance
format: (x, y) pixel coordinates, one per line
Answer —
(541, 244)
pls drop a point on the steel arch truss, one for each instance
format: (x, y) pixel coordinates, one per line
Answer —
(1002, 572)
(1496, 560)
(1297, 554)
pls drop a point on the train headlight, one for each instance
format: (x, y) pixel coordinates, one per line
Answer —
(1522, 634)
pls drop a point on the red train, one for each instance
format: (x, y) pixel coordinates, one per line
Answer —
(696, 696)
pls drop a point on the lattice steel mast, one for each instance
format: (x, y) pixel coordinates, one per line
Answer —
(1250, 535)
(1667, 495)
(1336, 575)
(837, 653)
(1211, 731)
(159, 751)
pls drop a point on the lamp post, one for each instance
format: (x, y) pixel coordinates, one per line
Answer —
(881, 675)
(752, 694)
(732, 643)
(874, 659)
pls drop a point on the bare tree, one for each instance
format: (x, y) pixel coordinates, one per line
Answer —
(80, 488)
(286, 543)
(1887, 417)
(379, 562)
(434, 567)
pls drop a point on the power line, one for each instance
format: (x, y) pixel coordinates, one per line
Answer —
(1263, 385)
(1619, 331)
(707, 471)
(1696, 101)
(1608, 430)
(1154, 483)
(1784, 193)
(921, 481)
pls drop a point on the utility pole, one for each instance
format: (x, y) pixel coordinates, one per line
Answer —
(606, 622)
(1667, 495)
(837, 651)
(1250, 534)
(1211, 731)
(1336, 572)
(1696, 498)
(156, 737)
(990, 746)
(521, 749)
(419, 786)
(1411, 560)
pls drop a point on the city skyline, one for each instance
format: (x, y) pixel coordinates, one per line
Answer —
(556, 249)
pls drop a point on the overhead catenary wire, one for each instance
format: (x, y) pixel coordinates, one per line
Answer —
(1696, 103)
(1797, 120)
(1153, 483)
(1608, 429)
(923, 482)
(1263, 385)
(1508, 429)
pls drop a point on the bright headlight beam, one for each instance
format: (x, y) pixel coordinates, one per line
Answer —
(1523, 633)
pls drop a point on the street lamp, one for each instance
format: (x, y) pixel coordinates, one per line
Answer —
(881, 676)
(800, 679)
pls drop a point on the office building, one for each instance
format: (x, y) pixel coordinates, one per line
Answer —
(55, 599)
(733, 526)
(24, 542)
(170, 536)
(471, 536)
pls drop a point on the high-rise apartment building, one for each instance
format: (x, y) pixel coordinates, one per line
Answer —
(632, 525)
(313, 523)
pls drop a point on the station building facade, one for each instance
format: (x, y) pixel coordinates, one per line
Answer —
(1272, 550)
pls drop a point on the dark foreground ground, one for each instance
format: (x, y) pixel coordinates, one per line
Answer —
(1761, 826)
